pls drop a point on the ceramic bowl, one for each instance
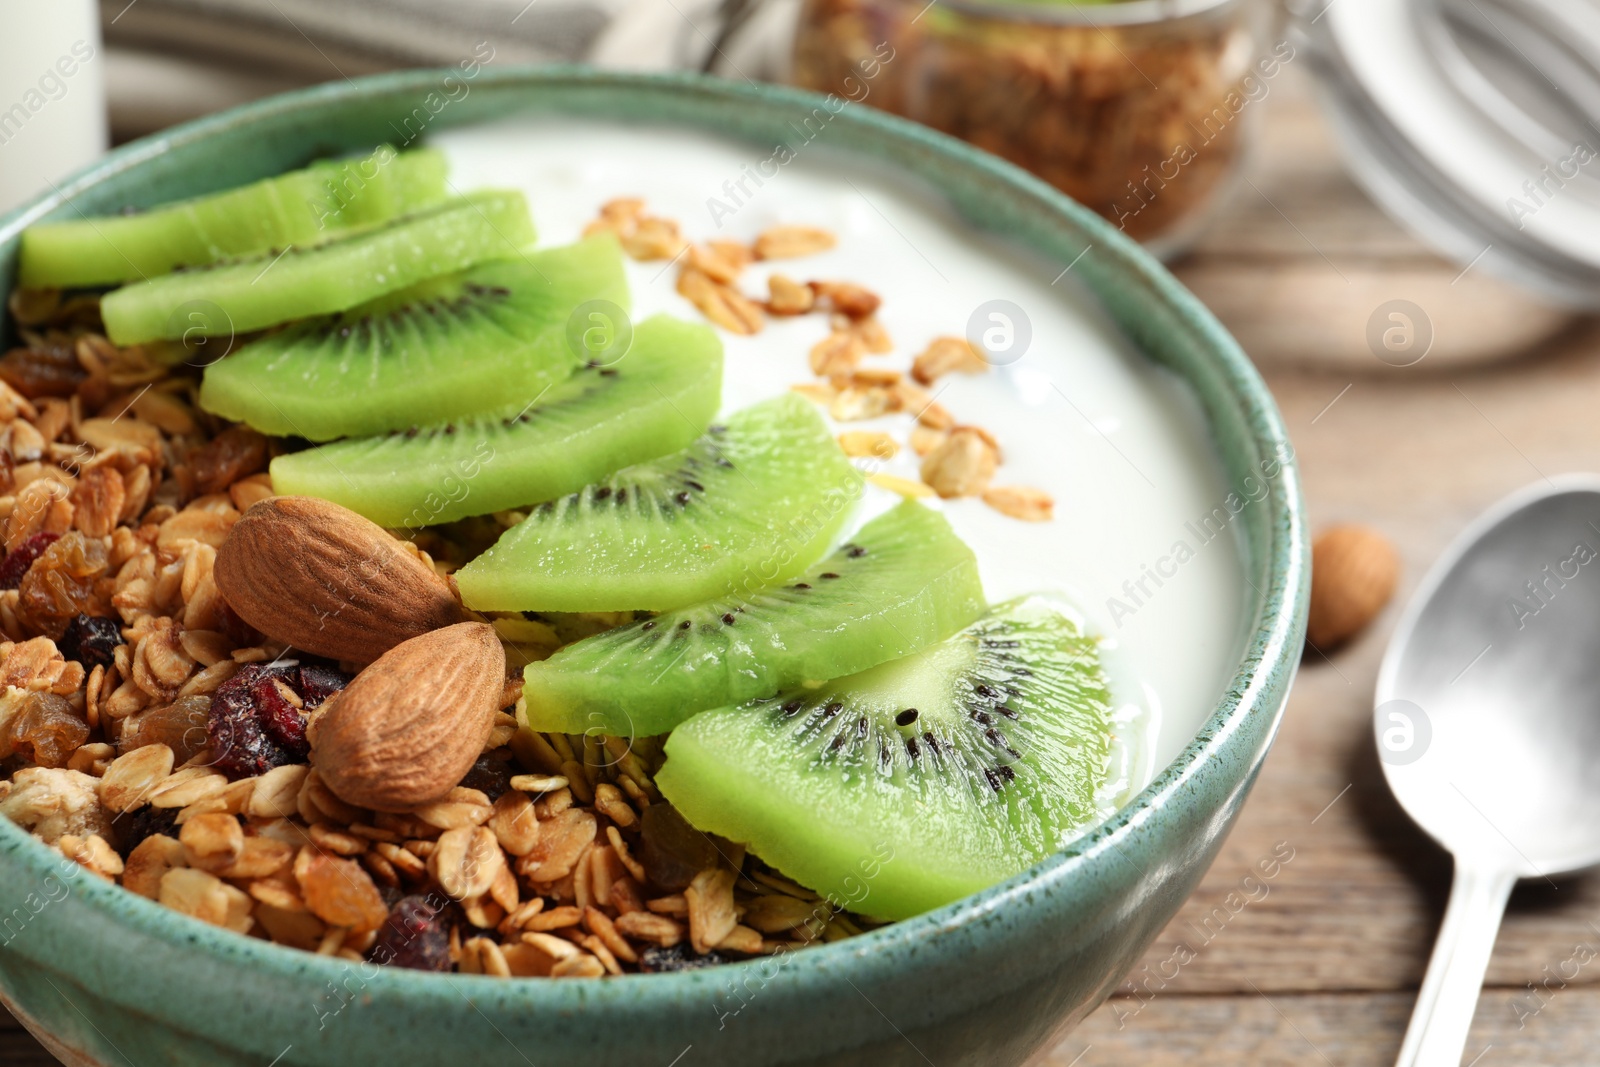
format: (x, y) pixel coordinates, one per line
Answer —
(106, 977)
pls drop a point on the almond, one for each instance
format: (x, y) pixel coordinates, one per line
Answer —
(1353, 574)
(410, 725)
(327, 581)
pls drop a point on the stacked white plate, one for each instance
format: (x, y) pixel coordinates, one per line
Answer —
(1476, 123)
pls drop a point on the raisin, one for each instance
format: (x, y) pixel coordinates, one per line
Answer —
(235, 453)
(680, 957)
(46, 731)
(673, 852)
(413, 936)
(50, 369)
(92, 640)
(132, 827)
(68, 579)
(490, 776)
(181, 726)
(19, 559)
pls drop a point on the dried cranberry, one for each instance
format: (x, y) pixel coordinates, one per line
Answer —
(92, 640)
(133, 827)
(253, 726)
(280, 718)
(19, 559)
(490, 776)
(319, 682)
(234, 628)
(680, 957)
(414, 936)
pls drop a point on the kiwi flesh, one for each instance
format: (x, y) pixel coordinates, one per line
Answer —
(904, 581)
(656, 399)
(297, 283)
(751, 503)
(448, 348)
(300, 208)
(919, 781)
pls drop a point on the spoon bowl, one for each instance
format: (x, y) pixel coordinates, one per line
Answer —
(1487, 722)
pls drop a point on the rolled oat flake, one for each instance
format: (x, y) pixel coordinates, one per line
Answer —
(1474, 123)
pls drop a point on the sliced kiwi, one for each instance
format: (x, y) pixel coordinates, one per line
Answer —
(752, 502)
(447, 348)
(919, 781)
(904, 581)
(301, 208)
(655, 400)
(298, 282)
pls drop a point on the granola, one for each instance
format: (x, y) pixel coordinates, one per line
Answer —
(115, 645)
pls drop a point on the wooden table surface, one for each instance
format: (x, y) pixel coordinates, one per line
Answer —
(1321, 966)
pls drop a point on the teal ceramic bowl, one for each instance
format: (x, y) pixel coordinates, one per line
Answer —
(103, 976)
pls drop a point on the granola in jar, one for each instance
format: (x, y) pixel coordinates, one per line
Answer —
(1140, 110)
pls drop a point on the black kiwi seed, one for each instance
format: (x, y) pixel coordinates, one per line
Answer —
(995, 737)
(411, 432)
(602, 492)
(622, 495)
(793, 706)
(827, 574)
(856, 551)
(832, 709)
(984, 689)
(609, 372)
(684, 625)
(727, 619)
(836, 744)
(982, 716)
(999, 776)
(696, 486)
(861, 726)
(1008, 712)
(911, 748)
(651, 625)
(682, 498)
(932, 742)
(801, 585)
(906, 718)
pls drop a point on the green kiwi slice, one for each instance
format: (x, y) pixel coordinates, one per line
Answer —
(447, 348)
(902, 582)
(917, 782)
(300, 282)
(656, 399)
(752, 502)
(301, 208)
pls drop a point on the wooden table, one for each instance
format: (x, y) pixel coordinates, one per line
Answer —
(1321, 967)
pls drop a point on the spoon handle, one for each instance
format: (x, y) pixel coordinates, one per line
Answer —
(1449, 996)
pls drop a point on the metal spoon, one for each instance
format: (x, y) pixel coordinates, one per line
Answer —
(1488, 725)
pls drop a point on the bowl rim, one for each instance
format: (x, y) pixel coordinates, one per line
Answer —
(1272, 633)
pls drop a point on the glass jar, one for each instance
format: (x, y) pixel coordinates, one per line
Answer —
(1141, 109)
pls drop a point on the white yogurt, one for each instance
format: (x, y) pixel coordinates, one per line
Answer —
(1118, 442)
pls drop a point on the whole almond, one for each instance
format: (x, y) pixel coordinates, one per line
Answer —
(327, 581)
(1353, 575)
(411, 724)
